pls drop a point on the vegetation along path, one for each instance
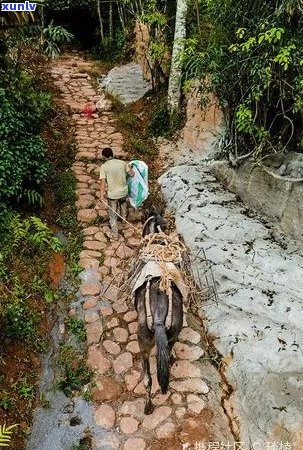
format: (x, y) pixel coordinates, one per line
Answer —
(190, 412)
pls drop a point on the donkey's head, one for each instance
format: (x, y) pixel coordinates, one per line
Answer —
(155, 223)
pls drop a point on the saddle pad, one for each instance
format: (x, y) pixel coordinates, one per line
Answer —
(153, 269)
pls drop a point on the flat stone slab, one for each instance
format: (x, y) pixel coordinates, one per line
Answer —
(156, 418)
(105, 416)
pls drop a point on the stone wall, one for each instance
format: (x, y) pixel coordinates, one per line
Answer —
(277, 199)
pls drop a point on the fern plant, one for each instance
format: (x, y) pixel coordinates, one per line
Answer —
(41, 235)
(32, 197)
(27, 234)
(6, 434)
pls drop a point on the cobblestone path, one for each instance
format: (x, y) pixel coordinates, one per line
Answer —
(182, 417)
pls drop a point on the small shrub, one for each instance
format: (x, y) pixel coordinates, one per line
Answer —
(84, 444)
(114, 49)
(74, 378)
(75, 373)
(6, 402)
(38, 285)
(66, 188)
(72, 251)
(23, 164)
(67, 218)
(25, 390)
(159, 124)
(126, 119)
(141, 147)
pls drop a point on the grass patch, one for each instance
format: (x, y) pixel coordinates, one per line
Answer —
(77, 327)
(75, 373)
(141, 147)
(72, 250)
(137, 141)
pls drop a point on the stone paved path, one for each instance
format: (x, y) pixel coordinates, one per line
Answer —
(118, 395)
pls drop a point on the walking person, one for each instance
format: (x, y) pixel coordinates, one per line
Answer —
(113, 187)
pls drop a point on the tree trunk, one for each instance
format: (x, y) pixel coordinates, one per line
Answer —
(121, 15)
(100, 19)
(110, 19)
(174, 88)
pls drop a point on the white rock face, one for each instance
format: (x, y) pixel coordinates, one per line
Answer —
(126, 82)
(258, 319)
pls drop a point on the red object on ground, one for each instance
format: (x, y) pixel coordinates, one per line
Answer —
(87, 111)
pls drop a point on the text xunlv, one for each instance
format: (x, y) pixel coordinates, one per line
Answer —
(26, 6)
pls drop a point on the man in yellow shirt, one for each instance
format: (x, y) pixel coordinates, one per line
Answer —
(113, 187)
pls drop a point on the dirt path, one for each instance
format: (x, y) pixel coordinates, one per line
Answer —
(190, 413)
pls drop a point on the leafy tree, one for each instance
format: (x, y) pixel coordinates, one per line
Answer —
(250, 55)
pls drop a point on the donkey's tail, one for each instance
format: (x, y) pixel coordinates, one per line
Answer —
(162, 356)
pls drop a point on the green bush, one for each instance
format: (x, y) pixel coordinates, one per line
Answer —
(114, 49)
(159, 123)
(19, 321)
(67, 218)
(75, 373)
(77, 327)
(26, 236)
(25, 245)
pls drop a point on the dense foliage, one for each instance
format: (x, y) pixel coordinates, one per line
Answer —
(23, 166)
(250, 55)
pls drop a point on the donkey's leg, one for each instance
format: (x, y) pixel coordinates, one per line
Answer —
(177, 318)
(147, 380)
(146, 342)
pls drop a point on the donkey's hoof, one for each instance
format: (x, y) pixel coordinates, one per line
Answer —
(149, 408)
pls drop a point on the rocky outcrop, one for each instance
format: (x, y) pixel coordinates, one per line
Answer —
(256, 323)
(126, 83)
